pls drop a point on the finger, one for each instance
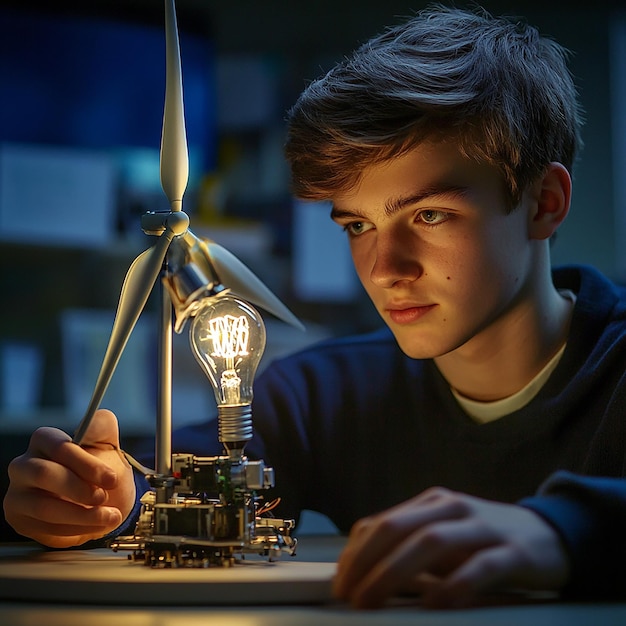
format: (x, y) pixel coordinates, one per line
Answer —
(55, 445)
(62, 535)
(47, 511)
(421, 585)
(42, 475)
(374, 538)
(489, 569)
(389, 527)
(59, 523)
(103, 429)
(432, 549)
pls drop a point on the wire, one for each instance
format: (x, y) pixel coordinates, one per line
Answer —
(266, 508)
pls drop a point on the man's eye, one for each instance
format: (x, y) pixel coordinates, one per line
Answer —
(357, 228)
(432, 217)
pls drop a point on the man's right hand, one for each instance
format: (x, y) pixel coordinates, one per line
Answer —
(61, 494)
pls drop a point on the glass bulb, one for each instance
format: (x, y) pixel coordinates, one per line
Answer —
(228, 338)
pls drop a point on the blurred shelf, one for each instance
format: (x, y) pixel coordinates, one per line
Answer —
(25, 422)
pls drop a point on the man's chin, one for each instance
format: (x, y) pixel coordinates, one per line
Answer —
(418, 350)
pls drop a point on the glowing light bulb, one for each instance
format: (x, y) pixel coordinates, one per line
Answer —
(228, 338)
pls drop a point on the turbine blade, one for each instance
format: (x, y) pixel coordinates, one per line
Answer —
(242, 282)
(174, 154)
(139, 281)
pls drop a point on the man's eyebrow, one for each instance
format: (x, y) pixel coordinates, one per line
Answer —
(397, 204)
(429, 193)
(337, 213)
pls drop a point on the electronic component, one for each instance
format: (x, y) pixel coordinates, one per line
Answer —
(207, 513)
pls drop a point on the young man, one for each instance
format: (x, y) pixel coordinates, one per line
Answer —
(446, 146)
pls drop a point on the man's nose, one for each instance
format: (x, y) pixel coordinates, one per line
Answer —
(396, 260)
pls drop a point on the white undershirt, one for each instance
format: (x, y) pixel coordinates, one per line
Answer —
(484, 412)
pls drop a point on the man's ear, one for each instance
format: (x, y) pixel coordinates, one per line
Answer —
(550, 202)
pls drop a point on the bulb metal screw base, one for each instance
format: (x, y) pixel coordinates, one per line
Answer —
(235, 428)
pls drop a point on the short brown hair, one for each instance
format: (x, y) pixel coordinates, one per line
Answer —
(496, 86)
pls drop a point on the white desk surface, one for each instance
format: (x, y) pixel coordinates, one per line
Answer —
(291, 592)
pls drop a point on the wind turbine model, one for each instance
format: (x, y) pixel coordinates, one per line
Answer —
(201, 510)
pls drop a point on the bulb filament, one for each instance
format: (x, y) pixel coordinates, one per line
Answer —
(229, 335)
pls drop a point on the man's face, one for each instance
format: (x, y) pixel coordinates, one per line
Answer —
(435, 248)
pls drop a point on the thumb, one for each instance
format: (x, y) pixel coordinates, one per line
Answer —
(103, 430)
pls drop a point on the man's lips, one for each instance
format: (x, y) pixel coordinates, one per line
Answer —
(408, 314)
